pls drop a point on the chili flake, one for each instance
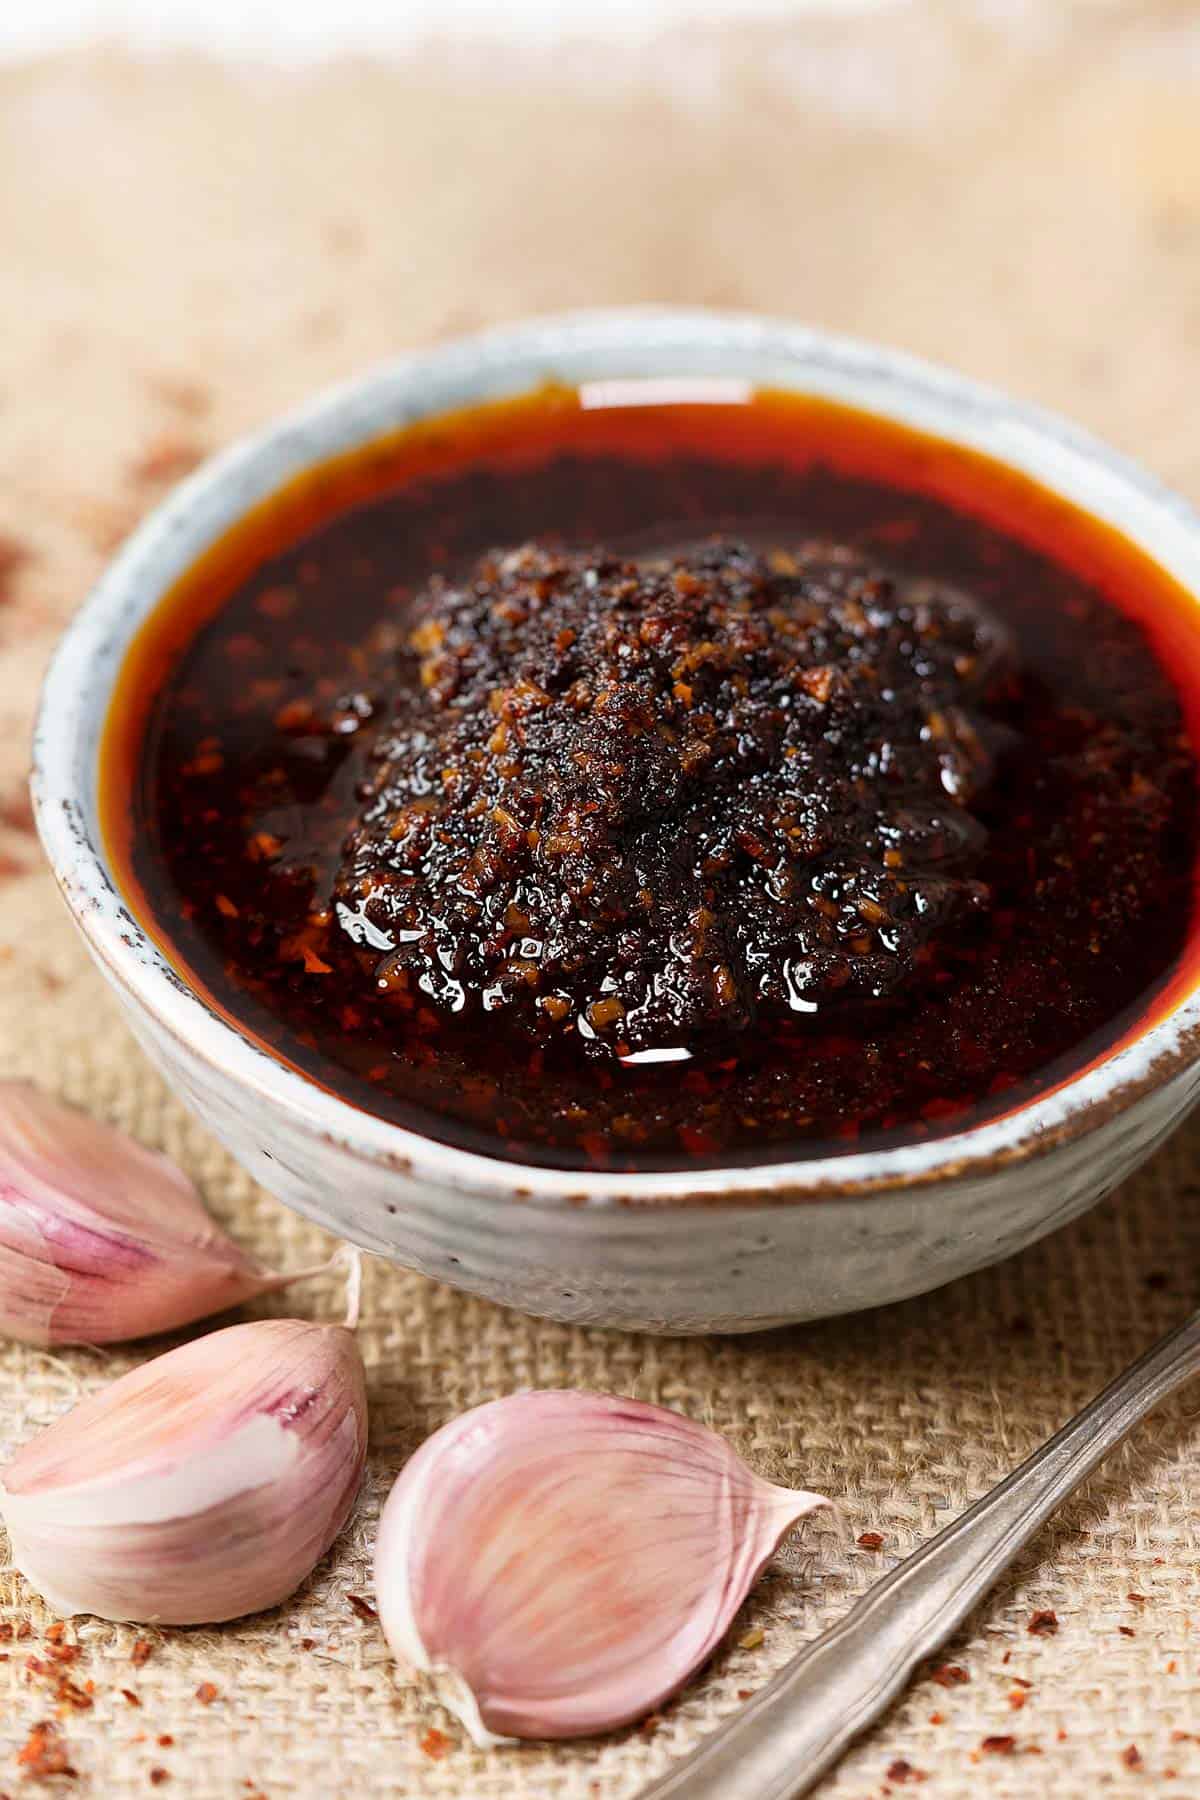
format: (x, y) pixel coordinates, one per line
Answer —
(902, 1771)
(436, 1744)
(44, 1754)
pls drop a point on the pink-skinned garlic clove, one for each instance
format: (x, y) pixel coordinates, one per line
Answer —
(560, 1562)
(202, 1486)
(102, 1240)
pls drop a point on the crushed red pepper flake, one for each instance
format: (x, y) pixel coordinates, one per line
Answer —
(1126, 1631)
(870, 1540)
(435, 1744)
(70, 1697)
(999, 1746)
(165, 1741)
(159, 1775)
(937, 1718)
(206, 1693)
(44, 1754)
(362, 1607)
(1043, 1624)
(129, 1695)
(1017, 1698)
(949, 1675)
(902, 1771)
(54, 1634)
(141, 1653)
(1131, 1756)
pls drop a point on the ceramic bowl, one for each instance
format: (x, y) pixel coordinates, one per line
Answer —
(719, 1250)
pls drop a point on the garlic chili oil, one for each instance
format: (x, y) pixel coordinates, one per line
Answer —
(342, 750)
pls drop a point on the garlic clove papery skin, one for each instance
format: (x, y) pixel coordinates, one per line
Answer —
(204, 1485)
(560, 1562)
(102, 1240)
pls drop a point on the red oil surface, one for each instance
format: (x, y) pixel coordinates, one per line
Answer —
(225, 825)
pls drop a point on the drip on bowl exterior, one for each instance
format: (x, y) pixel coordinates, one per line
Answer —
(734, 1249)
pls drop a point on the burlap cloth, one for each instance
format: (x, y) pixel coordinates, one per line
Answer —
(184, 249)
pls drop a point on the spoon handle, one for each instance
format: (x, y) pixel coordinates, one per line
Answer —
(782, 1742)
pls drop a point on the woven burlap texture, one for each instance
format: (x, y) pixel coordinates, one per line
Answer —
(183, 250)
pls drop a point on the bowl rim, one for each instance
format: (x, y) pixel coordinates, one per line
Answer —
(503, 360)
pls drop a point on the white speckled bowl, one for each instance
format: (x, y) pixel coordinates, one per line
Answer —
(710, 1250)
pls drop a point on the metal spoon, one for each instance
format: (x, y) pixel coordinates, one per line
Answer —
(782, 1742)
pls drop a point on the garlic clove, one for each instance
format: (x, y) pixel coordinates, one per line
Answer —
(560, 1562)
(100, 1239)
(201, 1486)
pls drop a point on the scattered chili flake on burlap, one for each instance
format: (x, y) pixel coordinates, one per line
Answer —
(70, 1697)
(870, 1540)
(1043, 1624)
(435, 1744)
(44, 1754)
